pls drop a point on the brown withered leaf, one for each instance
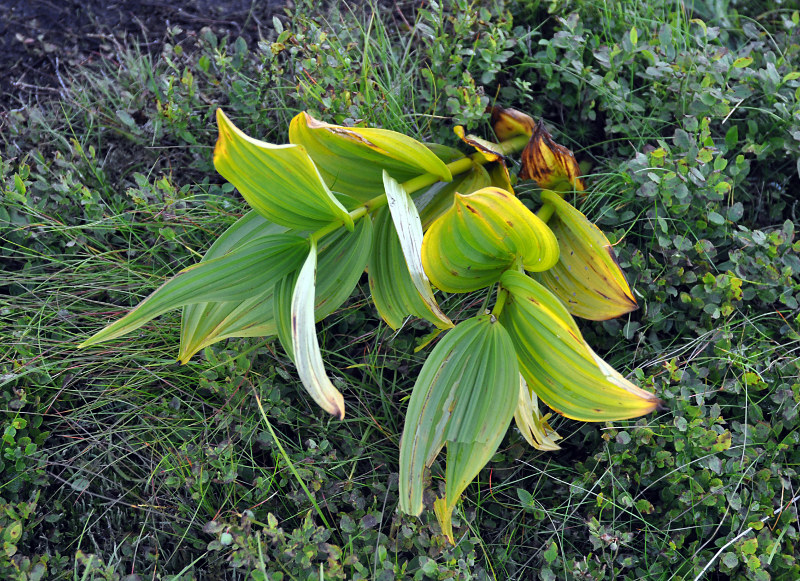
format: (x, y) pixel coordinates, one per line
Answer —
(550, 165)
(488, 149)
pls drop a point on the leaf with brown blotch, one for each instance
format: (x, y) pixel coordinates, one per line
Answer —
(550, 165)
(508, 123)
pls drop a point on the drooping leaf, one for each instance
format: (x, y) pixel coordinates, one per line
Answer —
(236, 276)
(550, 165)
(587, 277)
(558, 364)
(531, 423)
(464, 397)
(482, 235)
(352, 159)
(278, 181)
(342, 258)
(398, 283)
(305, 347)
(489, 150)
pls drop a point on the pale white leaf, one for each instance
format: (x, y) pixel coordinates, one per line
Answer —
(409, 229)
(307, 355)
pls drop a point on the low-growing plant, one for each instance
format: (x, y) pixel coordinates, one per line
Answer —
(339, 199)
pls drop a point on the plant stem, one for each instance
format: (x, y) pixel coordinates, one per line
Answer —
(546, 212)
(502, 294)
(415, 184)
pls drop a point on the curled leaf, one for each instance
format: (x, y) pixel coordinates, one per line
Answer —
(531, 423)
(508, 123)
(491, 151)
(280, 182)
(550, 165)
(352, 159)
(482, 235)
(305, 347)
(558, 364)
(587, 277)
(439, 198)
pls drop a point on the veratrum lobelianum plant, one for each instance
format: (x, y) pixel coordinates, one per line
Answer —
(338, 200)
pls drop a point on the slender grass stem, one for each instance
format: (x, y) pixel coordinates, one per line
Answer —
(289, 460)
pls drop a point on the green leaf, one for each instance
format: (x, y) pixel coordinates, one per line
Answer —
(239, 275)
(435, 201)
(307, 355)
(342, 258)
(464, 397)
(482, 235)
(390, 283)
(279, 181)
(558, 364)
(205, 323)
(586, 277)
(352, 159)
(742, 62)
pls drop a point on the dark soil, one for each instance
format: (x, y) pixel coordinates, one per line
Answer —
(41, 40)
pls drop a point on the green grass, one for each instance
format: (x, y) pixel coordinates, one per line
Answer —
(119, 461)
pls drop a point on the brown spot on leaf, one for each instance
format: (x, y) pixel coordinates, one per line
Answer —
(548, 163)
(508, 123)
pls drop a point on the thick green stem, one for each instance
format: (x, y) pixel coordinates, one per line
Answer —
(423, 181)
(546, 211)
(502, 294)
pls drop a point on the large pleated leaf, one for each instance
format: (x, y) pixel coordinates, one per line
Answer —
(587, 276)
(557, 362)
(205, 323)
(390, 283)
(342, 258)
(397, 283)
(279, 181)
(481, 236)
(305, 347)
(239, 275)
(464, 397)
(352, 159)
